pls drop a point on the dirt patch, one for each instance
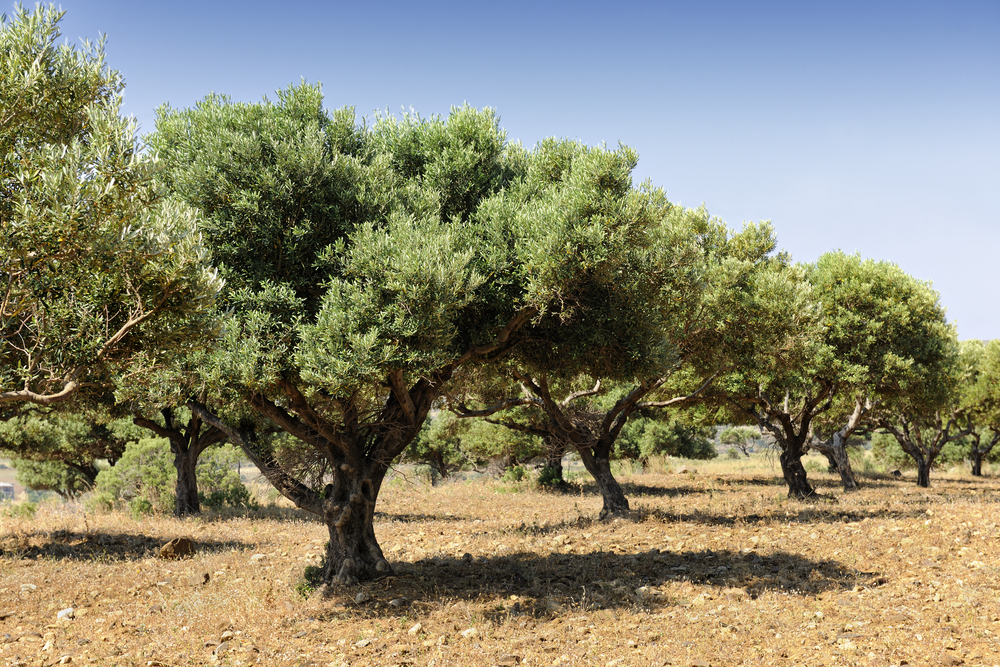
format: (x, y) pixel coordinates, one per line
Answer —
(711, 569)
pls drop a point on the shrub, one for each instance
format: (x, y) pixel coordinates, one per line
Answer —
(146, 471)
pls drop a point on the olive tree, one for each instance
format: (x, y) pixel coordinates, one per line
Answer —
(980, 398)
(871, 329)
(648, 334)
(97, 267)
(365, 266)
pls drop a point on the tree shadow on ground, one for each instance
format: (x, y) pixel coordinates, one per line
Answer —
(532, 585)
(97, 546)
(808, 515)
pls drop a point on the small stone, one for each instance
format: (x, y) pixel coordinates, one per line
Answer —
(256, 558)
(197, 580)
(361, 598)
(299, 635)
(471, 633)
(363, 643)
(179, 547)
(221, 648)
(467, 557)
(415, 629)
(228, 634)
(66, 613)
(156, 609)
(382, 566)
(29, 587)
(64, 660)
(397, 603)
(736, 594)
(509, 660)
(700, 663)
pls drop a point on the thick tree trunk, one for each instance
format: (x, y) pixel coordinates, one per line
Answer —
(977, 463)
(615, 502)
(923, 473)
(831, 462)
(353, 553)
(186, 502)
(838, 451)
(795, 474)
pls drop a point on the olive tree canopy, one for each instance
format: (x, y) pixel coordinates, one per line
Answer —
(98, 271)
(366, 264)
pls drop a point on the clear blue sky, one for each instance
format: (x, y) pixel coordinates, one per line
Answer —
(872, 127)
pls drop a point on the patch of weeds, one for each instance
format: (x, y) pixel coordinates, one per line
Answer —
(21, 510)
(515, 474)
(140, 507)
(312, 579)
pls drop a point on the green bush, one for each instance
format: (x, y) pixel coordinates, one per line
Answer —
(20, 510)
(514, 474)
(146, 471)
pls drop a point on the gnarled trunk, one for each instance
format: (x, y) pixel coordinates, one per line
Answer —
(186, 462)
(923, 473)
(353, 553)
(615, 502)
(977, 462)
(795, 474)
(838, 451)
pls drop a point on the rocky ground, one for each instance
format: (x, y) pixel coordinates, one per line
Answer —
(714, 567)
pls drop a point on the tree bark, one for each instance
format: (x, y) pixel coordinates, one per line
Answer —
(838, 451)
(615, 502)
(923, 473)
(977, 463)
(795, 474)
(186, 463)
(353, 553)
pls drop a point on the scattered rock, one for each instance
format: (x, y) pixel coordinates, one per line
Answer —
(415, 629)
(509, 660)
(397, 603)
(196, 580)
(363, 643)
(256, 558)
(471, 633)
(179, 547)
(221, 648)
(228, 634)
(155, 609)
(948, 659)
(5, 614)
(64, 660)
(28, 587)
(361, 598)
(736, 594)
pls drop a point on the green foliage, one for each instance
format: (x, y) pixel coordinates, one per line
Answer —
(887, 451)
(644, 437)
(24, 510)
(51, 476)
(312, 579)
(516, 473)
(146, 472)
(102, 271)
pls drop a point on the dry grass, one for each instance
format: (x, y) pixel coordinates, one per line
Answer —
(713, 568)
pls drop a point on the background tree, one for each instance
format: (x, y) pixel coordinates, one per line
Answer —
(981, 399)
(649, 328)
(867, 326)
(96, 264)
(364, 266)
(929, 413)
(742, 438)
(63, 446)
(663, 435)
